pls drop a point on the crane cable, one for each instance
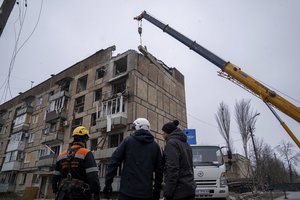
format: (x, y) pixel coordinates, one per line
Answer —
(140, 31)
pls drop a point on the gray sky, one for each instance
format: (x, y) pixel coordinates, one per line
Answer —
(261, 37)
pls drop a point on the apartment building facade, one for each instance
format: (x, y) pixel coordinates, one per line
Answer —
(103, 92)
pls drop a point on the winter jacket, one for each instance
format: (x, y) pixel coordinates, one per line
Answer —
(82, 167)
(178, 171)
(141, 156)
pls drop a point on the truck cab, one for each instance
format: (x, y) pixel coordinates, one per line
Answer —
(209, 172)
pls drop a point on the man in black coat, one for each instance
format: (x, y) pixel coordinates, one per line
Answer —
(178, 171)
(141, 157)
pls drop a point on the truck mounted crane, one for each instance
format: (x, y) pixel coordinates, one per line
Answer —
(236, 75)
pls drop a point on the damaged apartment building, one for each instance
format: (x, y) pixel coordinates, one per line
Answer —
(103, 92)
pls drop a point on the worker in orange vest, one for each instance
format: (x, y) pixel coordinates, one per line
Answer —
(76, 173)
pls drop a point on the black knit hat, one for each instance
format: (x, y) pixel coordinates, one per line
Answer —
(170, 126)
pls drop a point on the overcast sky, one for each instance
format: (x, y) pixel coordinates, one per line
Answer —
(261, 37)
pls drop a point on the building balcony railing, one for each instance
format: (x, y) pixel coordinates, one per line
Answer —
(53, 137)
(47, 161)
(104, 153)
(27, 109)
(11, 166)
(56, 114)
(113, 113)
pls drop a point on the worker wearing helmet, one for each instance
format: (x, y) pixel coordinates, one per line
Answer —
(141, 157)
(76, 173)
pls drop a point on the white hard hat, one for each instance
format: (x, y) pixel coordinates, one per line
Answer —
(141, 123)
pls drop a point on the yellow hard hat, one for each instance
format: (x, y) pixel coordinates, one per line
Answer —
(81, 131)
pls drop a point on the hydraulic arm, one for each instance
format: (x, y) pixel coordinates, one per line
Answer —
(231, 71)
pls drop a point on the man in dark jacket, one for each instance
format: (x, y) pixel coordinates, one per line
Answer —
(178, 171)
(141, 157)
(76, 173)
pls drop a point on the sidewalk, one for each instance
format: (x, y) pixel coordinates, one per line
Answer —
(290, 196)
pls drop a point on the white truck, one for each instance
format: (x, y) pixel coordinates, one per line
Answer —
(209, 172)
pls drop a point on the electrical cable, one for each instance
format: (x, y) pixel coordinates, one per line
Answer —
(16, 49)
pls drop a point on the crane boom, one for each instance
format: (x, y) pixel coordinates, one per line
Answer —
(267, 95)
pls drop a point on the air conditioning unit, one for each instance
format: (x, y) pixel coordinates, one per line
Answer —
(66, 124)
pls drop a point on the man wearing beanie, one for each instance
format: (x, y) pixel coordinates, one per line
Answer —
(178, 171)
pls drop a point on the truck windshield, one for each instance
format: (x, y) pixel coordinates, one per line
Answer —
(207, 156)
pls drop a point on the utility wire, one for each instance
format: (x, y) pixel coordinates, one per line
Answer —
(279, 91)
(207, 123)
(16, 49)
(7, 87)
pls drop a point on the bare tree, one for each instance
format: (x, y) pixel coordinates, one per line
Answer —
(291, 159)
(246, 121)
(271, 170)
(223, 120)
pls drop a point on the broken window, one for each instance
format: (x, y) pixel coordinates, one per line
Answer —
(81, 84)
(121, 66)
(100, 73)
(79, 104)
(97, 95)
(119, 87)
(65, 86)
(114, 140)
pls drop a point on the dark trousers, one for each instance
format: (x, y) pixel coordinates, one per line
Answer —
(125, 197)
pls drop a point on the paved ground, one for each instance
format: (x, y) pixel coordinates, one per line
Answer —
(290, 196)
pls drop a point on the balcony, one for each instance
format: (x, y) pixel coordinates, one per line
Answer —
(58, 95)
(11, 166)
(21, 127)
(113, 114)
(113, 121)
(47, 161)
(27, 109)
(54, 115)
(52, 137)
(104, 153)
(13, 146)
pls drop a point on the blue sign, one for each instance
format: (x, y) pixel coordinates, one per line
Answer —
(191, 135)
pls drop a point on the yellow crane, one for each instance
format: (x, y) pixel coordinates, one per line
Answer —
(236, 75)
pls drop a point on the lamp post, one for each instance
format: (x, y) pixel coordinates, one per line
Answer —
(250, 122)
(274, 152)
